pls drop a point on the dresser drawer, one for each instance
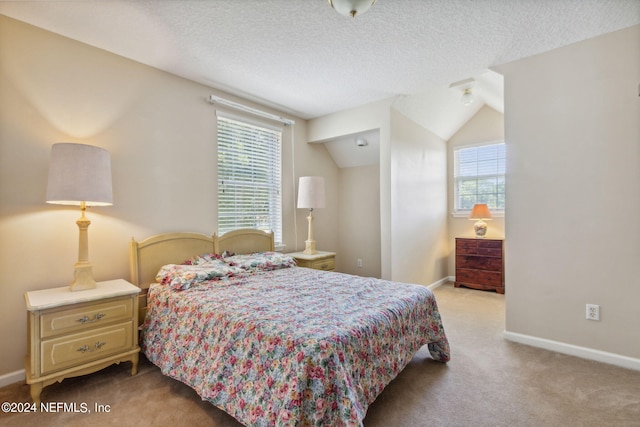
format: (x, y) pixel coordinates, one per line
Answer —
(85, 316)
(489, 244)
(466, 246)
(490, 247)
(479, 247)
(76, 349)
(479, 263)
(493, 252)
(488, 278)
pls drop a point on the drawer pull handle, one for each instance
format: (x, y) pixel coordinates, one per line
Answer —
(97, 346)
(86, 319)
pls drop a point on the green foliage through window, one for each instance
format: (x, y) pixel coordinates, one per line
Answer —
(479, 176)
(249, 177)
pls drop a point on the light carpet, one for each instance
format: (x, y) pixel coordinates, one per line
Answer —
(488, 382)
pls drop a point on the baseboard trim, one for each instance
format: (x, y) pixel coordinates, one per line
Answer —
(12, 377)
(439, 283)
(574, 350)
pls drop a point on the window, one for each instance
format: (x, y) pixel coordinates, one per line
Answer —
(479, 176)
(249, 176)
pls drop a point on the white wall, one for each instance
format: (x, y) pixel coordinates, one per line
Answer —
(573, 193)
(486, 125)
(160, 132)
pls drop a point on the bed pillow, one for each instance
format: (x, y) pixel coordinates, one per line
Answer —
(261, 261)
(182, 277)
(202, 259)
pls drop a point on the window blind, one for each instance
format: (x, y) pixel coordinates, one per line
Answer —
(249, 176)
(479, 176)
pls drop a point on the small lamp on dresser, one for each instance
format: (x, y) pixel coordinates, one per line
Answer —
(80, 175)
(481, 213)
(310, 196)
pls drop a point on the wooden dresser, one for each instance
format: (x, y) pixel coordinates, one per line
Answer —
(319, 261)
(77, 333)
(480, 264)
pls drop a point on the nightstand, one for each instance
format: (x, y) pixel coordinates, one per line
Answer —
(77, 333)
(319, 261)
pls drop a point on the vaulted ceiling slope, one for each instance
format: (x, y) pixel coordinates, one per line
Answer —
(303, 58)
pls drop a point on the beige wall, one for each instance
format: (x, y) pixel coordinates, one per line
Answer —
(369, 117)
(418, 203)
(315, 160)
(160, 132)
(413, 243)
(572, 120)
(486, 125)
(359, 221)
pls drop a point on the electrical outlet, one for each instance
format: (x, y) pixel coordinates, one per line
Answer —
(593, 312)
(359, 263)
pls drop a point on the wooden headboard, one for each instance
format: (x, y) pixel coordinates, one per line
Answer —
(146, 257)
(244, 241)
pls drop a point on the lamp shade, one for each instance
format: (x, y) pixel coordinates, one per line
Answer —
(311, 192)
(480, 211)
(79, 173)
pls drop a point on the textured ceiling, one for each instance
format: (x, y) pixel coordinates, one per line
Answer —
(303, 58)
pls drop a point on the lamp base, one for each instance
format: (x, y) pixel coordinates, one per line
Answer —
(310, 247)
(83, 277)
(481, 229)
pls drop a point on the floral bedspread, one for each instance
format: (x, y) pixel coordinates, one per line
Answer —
(292, 346)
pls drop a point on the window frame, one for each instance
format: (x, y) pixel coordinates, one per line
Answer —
(456, 211)
(274, 163)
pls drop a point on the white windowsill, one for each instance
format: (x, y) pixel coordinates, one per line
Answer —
(465, 214)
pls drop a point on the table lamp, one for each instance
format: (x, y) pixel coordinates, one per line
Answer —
(80, 175)
(310, 196)
(480, 212)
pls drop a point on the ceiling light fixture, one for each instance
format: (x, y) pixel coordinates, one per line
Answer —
(467, 97)
(351, 7)
(466, 87)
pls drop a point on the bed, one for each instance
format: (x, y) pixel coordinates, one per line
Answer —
(273, 344)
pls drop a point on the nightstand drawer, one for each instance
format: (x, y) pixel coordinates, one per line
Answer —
(76, 349)
(85, 316)
(319, 261)
(323, 264)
